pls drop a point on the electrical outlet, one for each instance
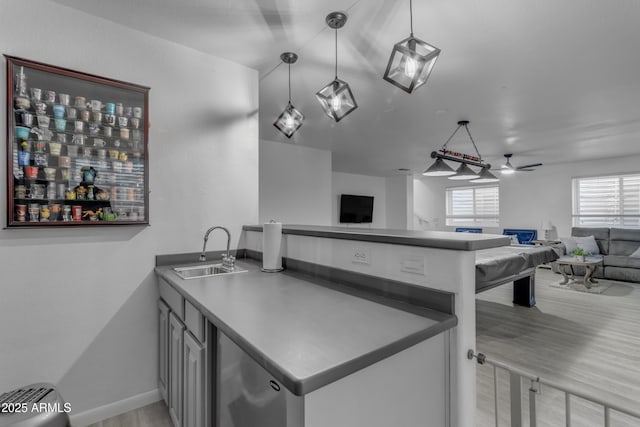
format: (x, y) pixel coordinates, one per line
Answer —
(413, 266)
(361, 256)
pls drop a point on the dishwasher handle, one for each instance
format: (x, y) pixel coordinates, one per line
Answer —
(274, 385)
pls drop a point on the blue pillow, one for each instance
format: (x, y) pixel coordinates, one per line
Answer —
(525, 236)
(468, 230)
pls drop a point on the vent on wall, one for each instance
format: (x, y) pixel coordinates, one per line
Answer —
(17, 407)
(28, 395)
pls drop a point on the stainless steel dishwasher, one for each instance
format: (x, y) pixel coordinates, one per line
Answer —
(248, 396)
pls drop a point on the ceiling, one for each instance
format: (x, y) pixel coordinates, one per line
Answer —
(550, 81)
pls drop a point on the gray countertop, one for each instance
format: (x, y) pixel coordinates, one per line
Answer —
(306, 335)
(431, 239)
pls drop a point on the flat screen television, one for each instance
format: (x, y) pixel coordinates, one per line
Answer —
(356, 209)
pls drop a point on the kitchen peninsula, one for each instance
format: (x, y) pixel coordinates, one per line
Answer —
(360, 329)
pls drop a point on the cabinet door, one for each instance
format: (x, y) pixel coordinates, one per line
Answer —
(193, 391)
(163, 350)
(176, 339)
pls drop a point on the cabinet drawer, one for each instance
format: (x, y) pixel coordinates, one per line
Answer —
(194, 321)
(173, 299)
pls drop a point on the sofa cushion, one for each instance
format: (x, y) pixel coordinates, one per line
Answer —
(624, 241)
(621, 261)
(588, 243)
(630, 234)
(569, 244)
(622, 273)
(622, 247)
(601, 235)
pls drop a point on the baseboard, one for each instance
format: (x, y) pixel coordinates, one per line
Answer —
(116, 408)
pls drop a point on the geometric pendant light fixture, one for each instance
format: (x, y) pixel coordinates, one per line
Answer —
(464, 172)
(336, 98)
(411, 61)
(290, 119)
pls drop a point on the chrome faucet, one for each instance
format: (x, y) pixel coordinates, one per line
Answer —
(228, 261)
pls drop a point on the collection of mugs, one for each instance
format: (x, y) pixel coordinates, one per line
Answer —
(39, 165)
(88, 132)
(67, 213)
(83, 120)
(46, 213)
(85, 115)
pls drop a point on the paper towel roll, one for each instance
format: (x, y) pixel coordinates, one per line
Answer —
(271, 246)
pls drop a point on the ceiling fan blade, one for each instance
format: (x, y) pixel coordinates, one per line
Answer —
(533, 165)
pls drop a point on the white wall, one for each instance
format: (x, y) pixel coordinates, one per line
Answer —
(429, 203)
(361, 185)
(78, 306)
(534, 197)
(295, 184)
(399, 202)
(526, 199)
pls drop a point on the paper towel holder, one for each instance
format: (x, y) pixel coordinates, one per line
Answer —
(271, 270)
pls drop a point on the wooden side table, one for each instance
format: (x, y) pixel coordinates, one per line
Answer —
(590, 264)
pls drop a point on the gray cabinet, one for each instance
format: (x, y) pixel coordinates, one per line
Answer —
(193, 382)
(163, 350)
(185, 366)
(176, 344)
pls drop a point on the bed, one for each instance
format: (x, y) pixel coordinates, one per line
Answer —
(515, 263)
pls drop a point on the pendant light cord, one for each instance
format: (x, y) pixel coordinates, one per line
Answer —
(444, 147)
(336, 67)
(289, 83)
(472, 141)
(411, 16)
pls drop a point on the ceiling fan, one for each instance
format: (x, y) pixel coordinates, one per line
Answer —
(508, 168)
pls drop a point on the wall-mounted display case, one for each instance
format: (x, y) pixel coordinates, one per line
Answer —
(76, 148)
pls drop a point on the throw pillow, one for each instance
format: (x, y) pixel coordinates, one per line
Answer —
(636, 254)
(514, 239)
(569, 243)
(589, 244)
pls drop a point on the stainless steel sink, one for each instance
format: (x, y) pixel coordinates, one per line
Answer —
(207, 270)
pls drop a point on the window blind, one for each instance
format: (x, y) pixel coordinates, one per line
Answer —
(473, 206)
(607, 201)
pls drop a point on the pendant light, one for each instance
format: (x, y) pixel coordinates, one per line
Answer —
(336, 98)
(485, 177)
(439, 168)
(411, 61)
(290, 119)
(464, 172)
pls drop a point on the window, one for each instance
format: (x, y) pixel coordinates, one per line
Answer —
(473, 206)
(606, 201)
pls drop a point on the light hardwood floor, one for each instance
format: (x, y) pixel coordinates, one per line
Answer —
(589, 341)
(154, 415)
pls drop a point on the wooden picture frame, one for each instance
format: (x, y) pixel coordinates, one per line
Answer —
(76, 148)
